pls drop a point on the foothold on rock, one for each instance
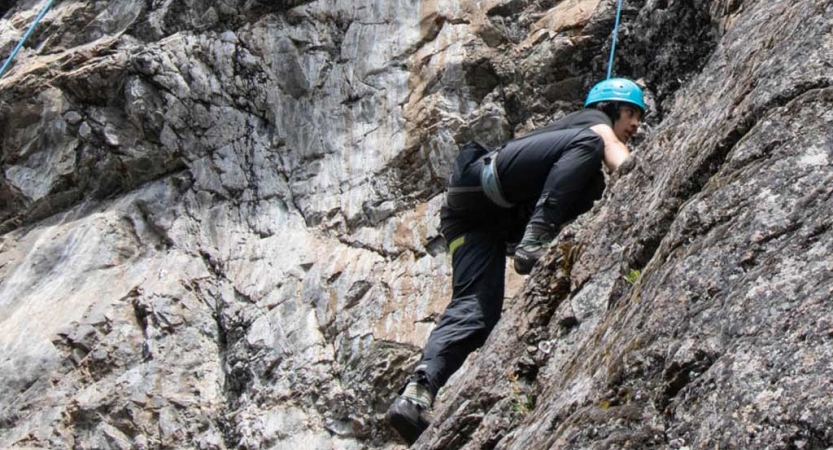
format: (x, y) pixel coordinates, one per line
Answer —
(72, 117)
(85, 131)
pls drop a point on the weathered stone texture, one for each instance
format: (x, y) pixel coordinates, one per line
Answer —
(220, 225)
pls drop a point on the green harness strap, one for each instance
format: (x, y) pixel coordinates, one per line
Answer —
(455, 244)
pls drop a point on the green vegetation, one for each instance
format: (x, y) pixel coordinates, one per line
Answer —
(632, 276)
(523, 404)
(522, 401)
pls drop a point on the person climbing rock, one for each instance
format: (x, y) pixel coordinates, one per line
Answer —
(526, 190)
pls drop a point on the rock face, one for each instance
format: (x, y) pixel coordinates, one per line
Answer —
(220, 225)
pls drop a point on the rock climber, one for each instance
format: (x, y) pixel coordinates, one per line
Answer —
(528, 189)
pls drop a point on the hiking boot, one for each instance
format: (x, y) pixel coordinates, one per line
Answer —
(532, 247)
(410, 413)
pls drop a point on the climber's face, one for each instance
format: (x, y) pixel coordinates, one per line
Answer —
(628, 123)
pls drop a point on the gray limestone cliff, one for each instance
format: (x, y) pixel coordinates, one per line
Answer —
(219, 225)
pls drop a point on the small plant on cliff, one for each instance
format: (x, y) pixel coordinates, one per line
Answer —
(632, 276)
(523, 404)
(522, 401)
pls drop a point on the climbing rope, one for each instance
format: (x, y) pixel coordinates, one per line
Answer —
(25, 37)
(613, 46)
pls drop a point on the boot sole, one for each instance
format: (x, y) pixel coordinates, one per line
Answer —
(524, 266)
(410, 430)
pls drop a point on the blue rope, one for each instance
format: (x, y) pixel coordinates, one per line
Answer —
(615, 33)
(25, 37)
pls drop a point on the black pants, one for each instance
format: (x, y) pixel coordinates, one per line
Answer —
(478, 267)
(478, 231)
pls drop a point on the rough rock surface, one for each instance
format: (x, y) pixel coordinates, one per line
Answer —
(220, 225)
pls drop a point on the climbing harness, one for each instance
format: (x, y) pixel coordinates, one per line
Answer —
(613, 46)
(25, 37)
(490, 182)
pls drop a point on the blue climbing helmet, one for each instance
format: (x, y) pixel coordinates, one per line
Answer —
(616, 90)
